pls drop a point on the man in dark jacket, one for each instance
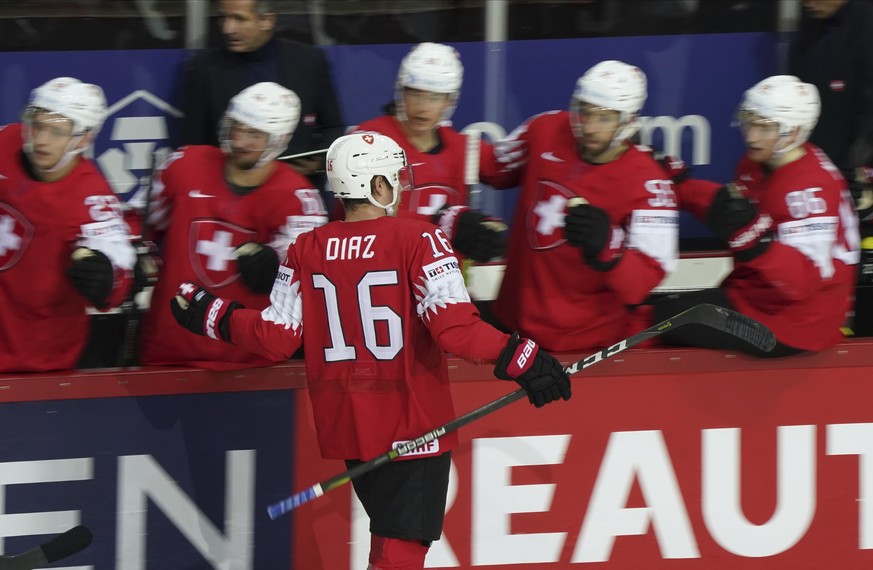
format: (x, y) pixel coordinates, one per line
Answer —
(253, 54)
(833, 51)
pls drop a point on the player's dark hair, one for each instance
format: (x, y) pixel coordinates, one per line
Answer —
(354, 203)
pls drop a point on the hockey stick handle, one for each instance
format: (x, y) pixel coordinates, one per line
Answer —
(725, 320)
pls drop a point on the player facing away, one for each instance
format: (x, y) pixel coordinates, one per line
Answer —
(63, 242)
(789, 221)
(425, 96)
(574, 274)
(379, 300)
(224, 217)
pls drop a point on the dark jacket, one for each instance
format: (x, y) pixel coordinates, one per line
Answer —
(215, 75)
(836, 55)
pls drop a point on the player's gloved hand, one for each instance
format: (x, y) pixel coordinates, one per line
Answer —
(148, 264)
(203, 313)
(258, 265)
(92, 275)
(589, 228)
(472, 233)
(534, 369)
(861, 186)
(674, 167)
(735, 219)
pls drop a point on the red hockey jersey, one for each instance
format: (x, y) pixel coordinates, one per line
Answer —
(377, 302)
(802, 286)
(548, 292)
(43, 324)
(200, 223)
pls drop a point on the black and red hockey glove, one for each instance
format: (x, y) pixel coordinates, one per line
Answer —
(733, 218)
(203, 313)
(475, 235)
(92, 275)
(590, 229)
(534, 369)
(258, 265)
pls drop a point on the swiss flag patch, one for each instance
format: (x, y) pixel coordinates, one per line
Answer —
(545, 220)
(211, 250)
(15, 235)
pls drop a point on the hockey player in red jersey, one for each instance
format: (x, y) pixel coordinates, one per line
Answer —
(379, 300)
(224, 217)
(574, 274)
(425, 96)
(789, 221)
(63, 242)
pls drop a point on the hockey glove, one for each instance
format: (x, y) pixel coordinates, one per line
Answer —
(258, 265)
(589, 228)
(535, 370)
(675, 168)
(472, 233)
(735, 219)
(92, 275)
(203, 313)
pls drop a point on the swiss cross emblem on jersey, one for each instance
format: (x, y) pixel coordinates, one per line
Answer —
(427, 200)
(15, 235)
(211, 246)
(368, 139)
(545, 220)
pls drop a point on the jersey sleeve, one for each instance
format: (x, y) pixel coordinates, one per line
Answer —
(305, 212)
(491, 169)
(444, 306)
(510, 155)
(696, 195)
(651, 244)
(277, 331)
(102, 228)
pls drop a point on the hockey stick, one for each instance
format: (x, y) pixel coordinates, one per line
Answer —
(302, 154)
(67, 544)
(471, 169)
(719, 318)
(128, 354)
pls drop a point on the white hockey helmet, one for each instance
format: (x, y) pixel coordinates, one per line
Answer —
(354, 160)
(430, 67)
(267, 107)
(83, 103)
(616, 86)
(785, 100)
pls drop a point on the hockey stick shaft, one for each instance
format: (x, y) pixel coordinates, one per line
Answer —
(728, 321)
(303, 154)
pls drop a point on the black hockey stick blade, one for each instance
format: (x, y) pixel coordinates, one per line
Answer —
(62, 546)
(726, 320)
